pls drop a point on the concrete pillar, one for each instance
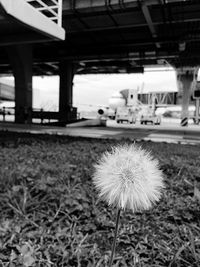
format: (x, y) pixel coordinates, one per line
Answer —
(21, 61)
(185, 78)
(66, 71)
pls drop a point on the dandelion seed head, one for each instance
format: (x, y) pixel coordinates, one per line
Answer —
(128, 177)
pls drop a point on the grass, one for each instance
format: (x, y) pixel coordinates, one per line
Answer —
(50, 214)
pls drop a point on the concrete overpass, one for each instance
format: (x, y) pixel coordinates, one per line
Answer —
(109, 36)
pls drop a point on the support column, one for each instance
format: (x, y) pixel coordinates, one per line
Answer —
(196, 97)
(21, 61)
(185, 78)
(66, 70)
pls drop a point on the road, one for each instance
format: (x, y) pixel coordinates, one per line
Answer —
(169, 131)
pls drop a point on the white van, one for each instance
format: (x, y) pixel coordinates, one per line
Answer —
(147, 115)
(125, 114)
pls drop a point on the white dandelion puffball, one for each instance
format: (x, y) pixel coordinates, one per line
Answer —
(128, 177)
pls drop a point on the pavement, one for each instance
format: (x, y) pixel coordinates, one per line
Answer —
(169, 131)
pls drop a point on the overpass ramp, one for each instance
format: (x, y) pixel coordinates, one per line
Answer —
(27, 21)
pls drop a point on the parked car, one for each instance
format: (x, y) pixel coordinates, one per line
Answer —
(125, 114)
(148, 116)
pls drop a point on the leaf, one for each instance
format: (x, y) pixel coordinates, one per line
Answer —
(13, 255)
(50, 180)
(27, 255)
(3, 257)
(16, 188)
(28, 260)
(197, 193)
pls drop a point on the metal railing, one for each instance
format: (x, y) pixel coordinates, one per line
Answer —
(50, 8)
(7, 114)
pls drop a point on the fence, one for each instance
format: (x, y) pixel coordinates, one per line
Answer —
(8, 113)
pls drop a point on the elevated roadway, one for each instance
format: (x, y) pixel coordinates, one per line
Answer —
(102, 36)
(27, 21)
(117, 36)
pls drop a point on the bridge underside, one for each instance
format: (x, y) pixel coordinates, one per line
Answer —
(111, 36)
(120, 36)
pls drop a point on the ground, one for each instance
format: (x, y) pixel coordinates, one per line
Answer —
(50, 214)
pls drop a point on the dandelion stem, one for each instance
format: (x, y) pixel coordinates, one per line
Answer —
(115, 238)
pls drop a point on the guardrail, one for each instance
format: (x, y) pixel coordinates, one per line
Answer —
(50, 8)
(39, 114)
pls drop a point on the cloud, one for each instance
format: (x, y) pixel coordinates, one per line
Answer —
(95, 90)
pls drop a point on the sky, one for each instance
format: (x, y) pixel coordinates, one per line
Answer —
(92, 91)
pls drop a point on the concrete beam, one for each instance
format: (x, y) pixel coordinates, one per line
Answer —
(24, 13)
(149, 21)
(95, 4)
(28, 38)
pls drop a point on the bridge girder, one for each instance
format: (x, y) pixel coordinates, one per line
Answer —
(120, 32)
